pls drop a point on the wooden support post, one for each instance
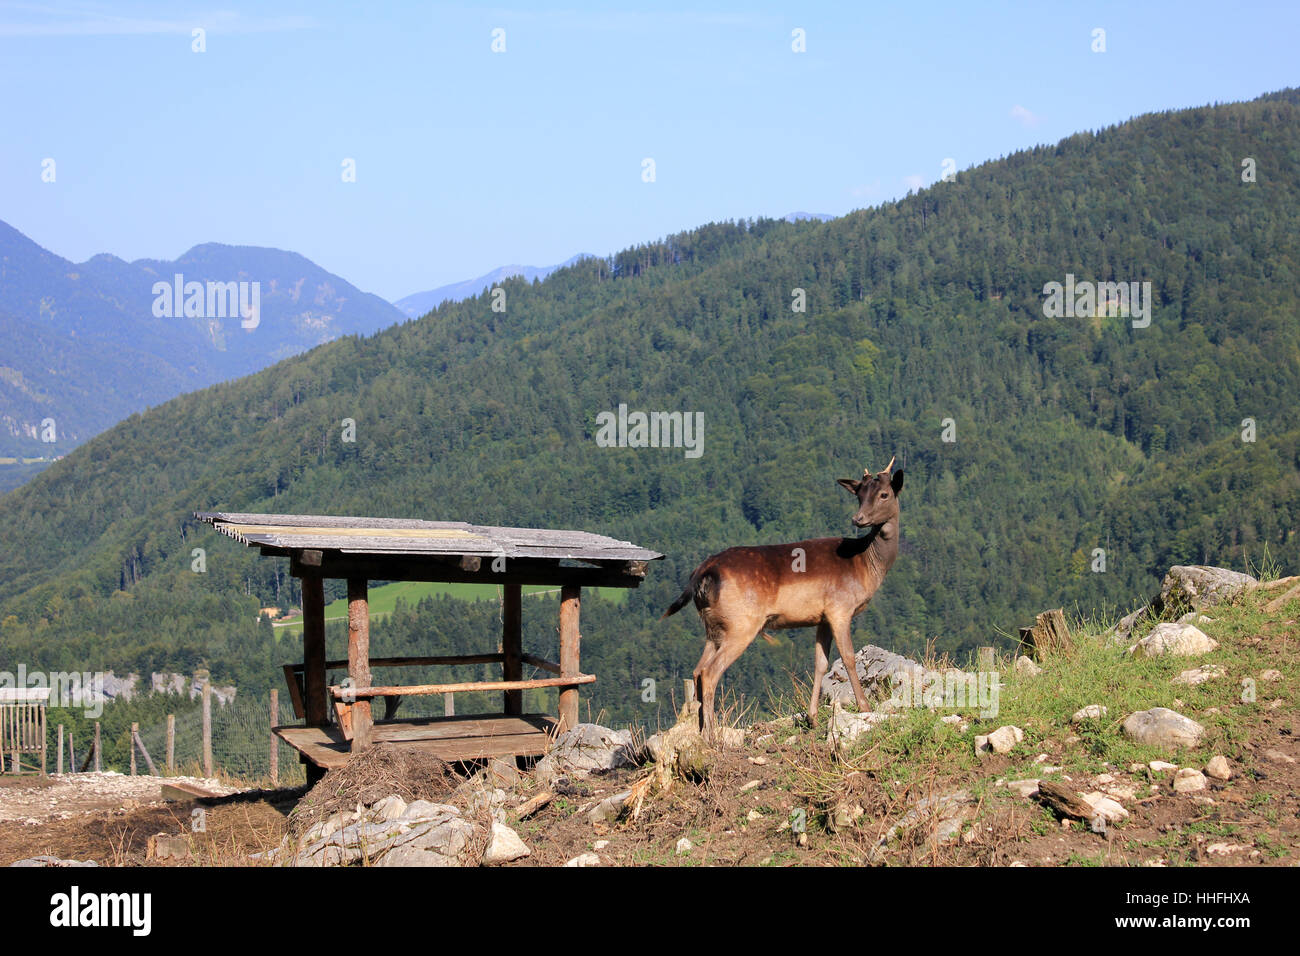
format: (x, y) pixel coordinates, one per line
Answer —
(137, 741)
(99, 751)
(449, 704)
(359, 659)
(72, 754)
(44, 742)
(60, 750)
(275, 741)
(135, 729)
(512, 667)
(313, 650)
(171, 743)
(570, 638)
(207, 727)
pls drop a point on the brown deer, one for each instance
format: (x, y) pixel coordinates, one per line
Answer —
(823, 582)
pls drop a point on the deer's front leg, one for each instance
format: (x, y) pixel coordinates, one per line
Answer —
(844, 641)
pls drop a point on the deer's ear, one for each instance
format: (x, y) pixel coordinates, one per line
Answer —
(851, 485)
(896, 482)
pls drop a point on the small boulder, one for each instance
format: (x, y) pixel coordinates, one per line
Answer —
(1091, 712)
(684, 846)
(390, 808)
(1199, 675)
(1175, 640)
(1026, 666)
(1219, 768)
(1001, 741)
(584, 859)
(1162, 727)
(504, 845)
(1189, 780)
(587, 748)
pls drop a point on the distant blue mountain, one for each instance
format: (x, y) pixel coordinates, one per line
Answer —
(88, 344)
(421, 303)
(801, 216)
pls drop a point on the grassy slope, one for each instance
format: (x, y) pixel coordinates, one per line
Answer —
(1250, 819)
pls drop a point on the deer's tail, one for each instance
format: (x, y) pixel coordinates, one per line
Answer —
(703, 587)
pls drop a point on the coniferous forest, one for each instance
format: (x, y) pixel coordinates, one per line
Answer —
(1049, 461)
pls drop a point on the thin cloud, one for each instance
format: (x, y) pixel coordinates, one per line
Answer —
(27, 20)
(914, 182)
(1024, 117)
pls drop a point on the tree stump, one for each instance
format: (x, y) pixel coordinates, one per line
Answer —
(1049, 634)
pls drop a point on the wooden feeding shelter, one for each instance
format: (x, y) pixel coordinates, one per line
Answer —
(22, 726)
(361, 550)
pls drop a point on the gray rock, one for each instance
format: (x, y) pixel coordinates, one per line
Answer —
(585, 749)
(390, 808)
(420, 810)
(52, 861)
(1120, 632)
(1174, 640)
(877, 670)
(1189, 780)
(1091, 712)
(1001, 741)
(1197, 587)
(584, 859)
(504, 845)
(1026, 788)
(1162, 727)
(846, 727)
(1199, 675)
(609, 809)
(1026, 666)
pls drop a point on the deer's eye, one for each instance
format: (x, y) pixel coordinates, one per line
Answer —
(884, 494)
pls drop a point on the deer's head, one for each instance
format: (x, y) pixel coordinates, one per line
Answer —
(877, 495)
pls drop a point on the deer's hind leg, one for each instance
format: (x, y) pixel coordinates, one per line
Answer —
(821, 661)
(731, 641)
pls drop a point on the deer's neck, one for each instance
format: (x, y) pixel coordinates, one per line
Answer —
(881, 549)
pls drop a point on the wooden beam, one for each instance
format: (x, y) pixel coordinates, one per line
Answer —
(313, 650)
(570, 640)
(540, 662)
(341, 693)
(293, 677)
(512, 666)
(434, 568)
(359, 659)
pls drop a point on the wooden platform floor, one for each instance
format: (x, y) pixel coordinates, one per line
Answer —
(449, 738)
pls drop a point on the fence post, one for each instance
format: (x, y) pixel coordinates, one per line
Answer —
(72, 754)
(207, 727)
(60, 750)
(275, 747)
(449, 705)
(171, 743)
(135, 728)
(99, 751)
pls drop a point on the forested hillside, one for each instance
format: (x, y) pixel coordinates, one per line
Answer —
(1068, 434)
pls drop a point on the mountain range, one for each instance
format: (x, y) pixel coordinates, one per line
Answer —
(1050, 457)
(88, 344)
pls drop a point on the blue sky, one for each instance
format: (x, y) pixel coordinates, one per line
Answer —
(468, 159)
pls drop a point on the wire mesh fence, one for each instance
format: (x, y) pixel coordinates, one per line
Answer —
(241, 742)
